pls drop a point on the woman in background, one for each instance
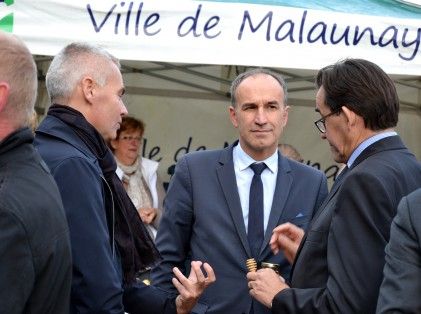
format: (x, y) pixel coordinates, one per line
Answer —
(139, 175)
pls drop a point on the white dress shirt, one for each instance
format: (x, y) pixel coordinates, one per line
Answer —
(244, 174)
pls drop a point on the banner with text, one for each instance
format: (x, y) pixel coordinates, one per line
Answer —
(288, 34)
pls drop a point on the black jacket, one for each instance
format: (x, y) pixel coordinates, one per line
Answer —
(35, 258)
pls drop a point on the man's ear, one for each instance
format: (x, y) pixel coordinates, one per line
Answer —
(351, 116)
(4, 95)
(233, 116)
(88, 88)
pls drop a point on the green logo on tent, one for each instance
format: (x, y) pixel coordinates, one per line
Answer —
(6, 22)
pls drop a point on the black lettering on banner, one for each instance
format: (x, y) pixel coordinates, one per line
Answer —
(149, 24)
(190, 25)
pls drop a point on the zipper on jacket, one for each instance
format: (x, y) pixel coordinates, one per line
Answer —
(113, 217)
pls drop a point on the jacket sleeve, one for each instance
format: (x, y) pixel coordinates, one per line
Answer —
(173, 238)
(142, 299)
(96, 284)
(17, 274)
(355, 251)
(401, 286)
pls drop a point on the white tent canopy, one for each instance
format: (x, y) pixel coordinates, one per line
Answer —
(215, 32)
(180, 57)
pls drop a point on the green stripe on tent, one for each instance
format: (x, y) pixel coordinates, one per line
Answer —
(6, 23)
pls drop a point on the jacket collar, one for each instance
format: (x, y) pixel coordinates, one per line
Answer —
(387, 143)
(53, 127)
(16, 139)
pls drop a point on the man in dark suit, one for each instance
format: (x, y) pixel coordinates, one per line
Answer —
(401, 287)
(207, 206)
(338, 264)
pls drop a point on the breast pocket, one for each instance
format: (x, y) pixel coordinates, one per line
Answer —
(301, 221)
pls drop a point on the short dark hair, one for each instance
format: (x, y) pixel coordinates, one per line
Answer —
(364, 88)
(253, 72)
(131, 124)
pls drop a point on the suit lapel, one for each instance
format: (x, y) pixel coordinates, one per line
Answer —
(322, 207)
(331, 194)
(388, 143)
(283, 186)
(226, 177)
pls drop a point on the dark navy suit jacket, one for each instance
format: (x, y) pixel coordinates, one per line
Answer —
(339, 264)
(203, 220)
(97, 285)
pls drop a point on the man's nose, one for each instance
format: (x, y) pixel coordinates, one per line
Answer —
(261, 116)
(123, 110)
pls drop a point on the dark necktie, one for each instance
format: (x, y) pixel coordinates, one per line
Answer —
(255, 222)
(340, 176)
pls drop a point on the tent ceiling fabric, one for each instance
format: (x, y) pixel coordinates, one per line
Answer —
(213, 82)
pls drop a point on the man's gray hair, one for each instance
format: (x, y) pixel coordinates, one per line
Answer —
(253, 72)
(18, 69)
(72, 63)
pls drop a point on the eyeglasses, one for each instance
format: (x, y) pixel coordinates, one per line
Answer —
(321, 123)
(130, 138)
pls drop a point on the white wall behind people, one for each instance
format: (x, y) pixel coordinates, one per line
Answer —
(175, 126)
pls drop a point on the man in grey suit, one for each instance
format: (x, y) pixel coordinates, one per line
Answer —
(338, 264)
(401, 287)
(207, 213)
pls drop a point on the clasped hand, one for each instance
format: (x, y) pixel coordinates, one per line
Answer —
(265, 284)
(148, 214)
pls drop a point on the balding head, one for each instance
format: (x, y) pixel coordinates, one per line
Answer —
(18, 82)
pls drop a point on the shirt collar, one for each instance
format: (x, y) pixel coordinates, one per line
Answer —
(244, 160)
(371, 140)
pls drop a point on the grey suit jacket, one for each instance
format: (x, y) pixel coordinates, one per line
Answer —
(338, 267)
(203, 221)
(400, 291)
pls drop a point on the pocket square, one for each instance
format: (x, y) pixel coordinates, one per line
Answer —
(299, 215)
